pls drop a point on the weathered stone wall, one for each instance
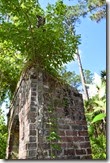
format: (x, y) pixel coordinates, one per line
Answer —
(51, 118)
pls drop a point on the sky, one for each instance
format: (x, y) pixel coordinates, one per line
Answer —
(93, 42)
(93, 46)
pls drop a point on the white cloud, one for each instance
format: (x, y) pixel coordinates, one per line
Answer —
(93, 88)
(97, 80)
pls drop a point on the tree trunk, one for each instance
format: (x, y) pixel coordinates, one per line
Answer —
(82, 76)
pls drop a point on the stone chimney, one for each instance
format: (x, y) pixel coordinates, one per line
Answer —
(46, 120)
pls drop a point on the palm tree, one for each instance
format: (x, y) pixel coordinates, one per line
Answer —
(103, 75)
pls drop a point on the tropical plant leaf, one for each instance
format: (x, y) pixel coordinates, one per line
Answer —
(98, 117)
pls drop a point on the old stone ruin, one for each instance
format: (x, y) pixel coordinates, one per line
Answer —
(46, 120)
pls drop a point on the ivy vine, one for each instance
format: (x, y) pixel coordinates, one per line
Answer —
(53, 136)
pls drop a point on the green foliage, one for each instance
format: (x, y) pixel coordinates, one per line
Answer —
(53, 136)
(3, 136)
(98, 145)
(74, 79)
(10, 66)
(98, 117)
(27, 40)
(49, 44)
(88, 76)
(96, 9)
(103, 76)
(95, 109)
(70, 77)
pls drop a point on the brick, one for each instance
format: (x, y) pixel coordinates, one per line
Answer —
(34, 93)
(70, 145)
(31, 115)
(32, 153)
(32, 126)
(77, 127)
(64, 126)
(89, 157)
(33, 85)
(61, 133)
(32, 132)
(78, 139)
(33, 89)
(69, 152)
(80, 151)
(34, 81)
(31, 146)
(60, 113)
(32, 158)
(84, 128)
(69, 139)
(75, 145)
(63, 145)
(89, 151)
(85, 145)
(44, 146)
(32, 120)
(66, 139)
(82, 133)
(61, 121)
(32, 139)
(33, 98)
(71, 133)
(83, 122)
(72, 157)
(33, 103)
(33, 109)
(87, 138)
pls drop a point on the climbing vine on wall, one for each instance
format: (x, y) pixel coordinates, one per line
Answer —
(53, 136)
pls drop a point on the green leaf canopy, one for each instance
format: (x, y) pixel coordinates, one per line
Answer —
(31, 35)
(50, 44)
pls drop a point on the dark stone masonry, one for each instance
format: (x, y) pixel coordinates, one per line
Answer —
(46, 120)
